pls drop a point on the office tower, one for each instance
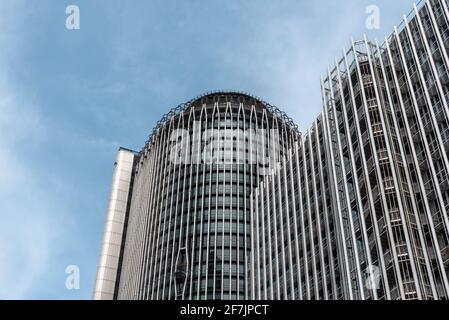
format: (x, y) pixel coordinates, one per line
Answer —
(367, 194)
(187, 233)
(357, 208)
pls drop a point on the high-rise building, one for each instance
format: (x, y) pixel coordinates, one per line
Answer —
(184, 201)
(228, 200)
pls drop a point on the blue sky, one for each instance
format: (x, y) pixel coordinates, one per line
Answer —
(69, 99)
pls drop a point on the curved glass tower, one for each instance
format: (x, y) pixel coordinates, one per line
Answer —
(188, 233)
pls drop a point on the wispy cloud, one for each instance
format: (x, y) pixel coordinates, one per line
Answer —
(32, 217)
(27, 230)
(291, 44)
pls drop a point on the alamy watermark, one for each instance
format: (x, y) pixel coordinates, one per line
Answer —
(226, 146)
(372, 22)
(72, 21)
(72, 281)
(372, 277)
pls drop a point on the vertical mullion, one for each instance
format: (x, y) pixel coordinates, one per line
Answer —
(294, 214)
(344, 257)
(320, 237)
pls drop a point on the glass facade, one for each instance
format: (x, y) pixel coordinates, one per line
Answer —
(227, 200)
(360, 210)
(188, 230)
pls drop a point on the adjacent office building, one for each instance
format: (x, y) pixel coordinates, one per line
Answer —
(228, 200)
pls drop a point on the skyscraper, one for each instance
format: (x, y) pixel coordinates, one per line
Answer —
(185, 201)
(228, 200)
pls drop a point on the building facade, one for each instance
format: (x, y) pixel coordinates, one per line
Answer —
(228, 200)
(188, 221)
(364, 195)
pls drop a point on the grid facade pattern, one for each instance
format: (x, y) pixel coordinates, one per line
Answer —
(188, 230)
(373, 176)
(293, 226)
